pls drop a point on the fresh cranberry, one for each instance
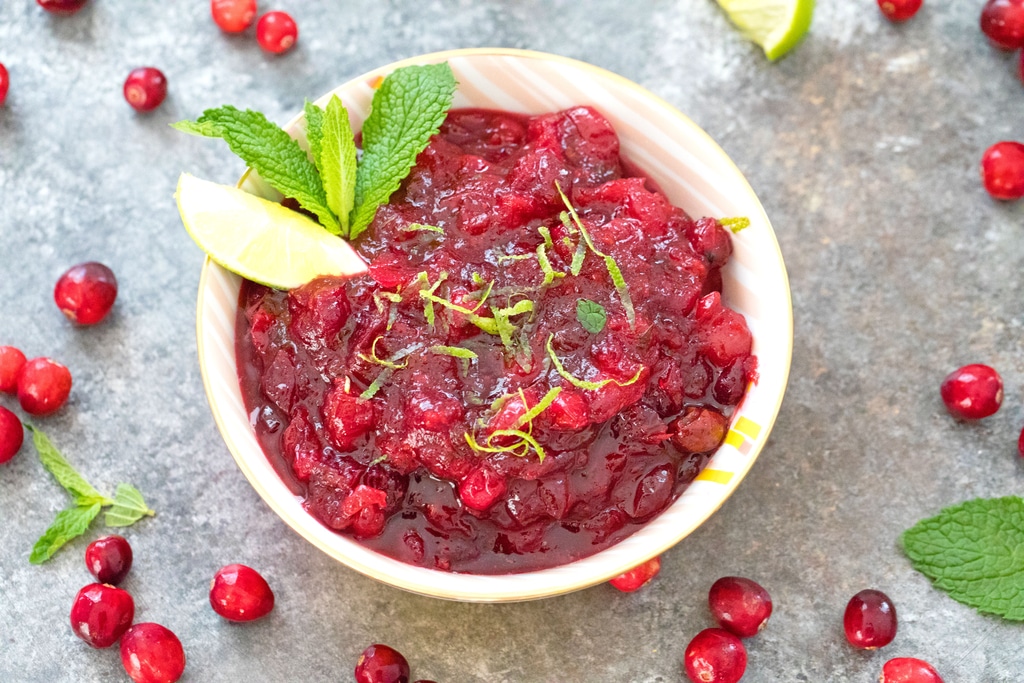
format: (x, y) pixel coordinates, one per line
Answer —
(481, 489)
(382, 664)
(715, 656)
(233, 16)
(43, 386)
(151, 653)
(61, 6)
(637, 577)
(109, 559)
(1003, 22)
(972, 392)
(145, 88)
(1002, 167)
(276, 32)
(909, 670)
(740, 605)
(5, 83)
(899, 10)
(101, 614)
(12, 360)
(12, 435)
(86, 292)
(870, 620)
(698, 430)
(239, 593)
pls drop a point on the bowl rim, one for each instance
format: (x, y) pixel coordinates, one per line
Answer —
(526, 590)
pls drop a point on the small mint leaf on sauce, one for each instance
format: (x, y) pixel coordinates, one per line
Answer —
(81, 491)
(271, 152)
(407, 111)
(973, 551)
(67, 525)
(129, 507)
(338, 162)
(591, 315)
(735, 224)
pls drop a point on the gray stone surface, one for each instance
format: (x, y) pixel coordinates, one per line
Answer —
(863, 145)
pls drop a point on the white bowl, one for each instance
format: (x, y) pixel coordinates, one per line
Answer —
(695, 174)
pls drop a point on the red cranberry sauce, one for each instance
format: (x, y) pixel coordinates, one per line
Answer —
(433, 468)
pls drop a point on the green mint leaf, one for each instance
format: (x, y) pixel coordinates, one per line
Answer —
(129, 507)
(271, 152)
(735, 224)
(83, 493)
(975, 552)
(591, 315)
(314, 131)
(338, 162)
(408, 110)
(69, 524)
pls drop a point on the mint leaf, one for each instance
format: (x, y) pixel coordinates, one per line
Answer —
(975, 552)
(408, 110)
(81, 491)
(69, 524)
(271, 152)
(338, 162)
(129, 507)
(591, 315)
(314, 131)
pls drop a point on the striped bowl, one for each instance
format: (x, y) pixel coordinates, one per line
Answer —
(695, 174)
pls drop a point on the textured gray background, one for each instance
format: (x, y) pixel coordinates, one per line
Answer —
(863, 145)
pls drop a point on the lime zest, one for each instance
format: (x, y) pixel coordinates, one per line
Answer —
(388, 363)
(453, 351)
(526, 441)
(582, 383)
(415, 227)
(376, 384)
(735, 224)
(514, 257)
(545, 402)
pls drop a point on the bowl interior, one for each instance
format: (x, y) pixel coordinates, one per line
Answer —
(695, 174)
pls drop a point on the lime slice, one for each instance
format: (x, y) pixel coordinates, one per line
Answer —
(776, 25)
(258, 239)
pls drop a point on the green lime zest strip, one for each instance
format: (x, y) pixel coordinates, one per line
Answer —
(513, 257)
(377, 383)
(374, 358)
(550, 274)
(582, 383)
(735, 224)
(454, 351)
(414, 227)
(523, 445)
(544, 403)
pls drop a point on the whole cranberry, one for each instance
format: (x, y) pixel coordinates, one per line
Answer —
(151, 653)
(908, 670)
(481, 489)
(145, 88)
(698, 430)
(899, 10)
(637, 577)
(382, 664)
(12, 360)
(109, 559)
(43, 386)
(12, 435)
(870, 620)
(715, 656)
(61, 6)
(1020, 443)
(276, 32)
(101, 614)
(86, 292)
(233, 16)
(972, 392)
(1002, 168)
(239, 593)
(740, 605)
(1003, 22)
(5, 83)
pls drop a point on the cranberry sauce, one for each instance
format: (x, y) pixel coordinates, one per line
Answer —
(450, 409)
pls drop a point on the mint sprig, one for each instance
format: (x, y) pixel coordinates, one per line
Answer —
(975, 552)
(338, 163)
(127, 507)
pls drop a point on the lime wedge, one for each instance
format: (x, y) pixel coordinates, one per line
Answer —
(776, 25)
(258, 239)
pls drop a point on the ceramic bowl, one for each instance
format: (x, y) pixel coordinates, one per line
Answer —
(695, 174)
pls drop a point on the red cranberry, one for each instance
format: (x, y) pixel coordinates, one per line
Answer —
(61, 6)
(972, 392)
(101, 614)
(109, 559)
(382, 664)
(1003, 22)
(908, 670)
(715, 656)
(43, 386)
(86, 292)
(637, 577)
(1002, 167)
(481, 489)
(5, 83)
(239, 593)
(233, 16)
(276, 32)
(1020, 443)
(145, 88)
(899, 10)
(12, 435)
(12, 360)
(699, 430)
(740, 605)
(870, 620)
(151, 653)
